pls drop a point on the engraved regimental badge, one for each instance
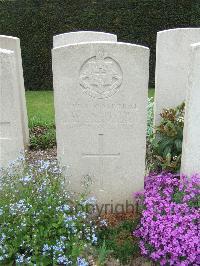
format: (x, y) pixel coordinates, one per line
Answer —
(100, 76)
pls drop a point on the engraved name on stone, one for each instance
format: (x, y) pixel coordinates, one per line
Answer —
(111, 114)
(100, 76)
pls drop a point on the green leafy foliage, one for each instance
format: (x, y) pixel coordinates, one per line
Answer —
(149, 150)
(103, 254)
(119, 241)
(42, 137)
(150, 117)
(166, 142)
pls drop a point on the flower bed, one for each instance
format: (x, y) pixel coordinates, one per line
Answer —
(40, 222)
(169, 227)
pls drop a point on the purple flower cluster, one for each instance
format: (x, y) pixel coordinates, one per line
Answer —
(169, 229)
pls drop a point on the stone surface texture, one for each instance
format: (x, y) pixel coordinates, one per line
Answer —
(11, 138)
(13, 44)
(190, 162)
(172, 66)
(100, 92)
(82, 36)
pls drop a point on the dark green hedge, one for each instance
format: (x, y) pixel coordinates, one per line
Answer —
(136, 21)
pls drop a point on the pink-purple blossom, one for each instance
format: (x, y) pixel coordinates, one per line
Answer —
(169, 229)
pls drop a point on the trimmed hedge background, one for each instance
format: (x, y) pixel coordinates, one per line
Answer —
(136, 21)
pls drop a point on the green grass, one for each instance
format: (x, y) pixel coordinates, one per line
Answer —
(41, 119)
(40, 108)
(151, 92)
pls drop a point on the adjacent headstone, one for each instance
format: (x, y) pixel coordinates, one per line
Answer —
(13, 44)
(172, 62)
(100, 104)
(11, 138)
(82, 36)
(190, 162)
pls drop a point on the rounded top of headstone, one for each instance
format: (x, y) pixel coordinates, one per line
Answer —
(103, 43)
(8, 37)
(177, 30)
(82, 36)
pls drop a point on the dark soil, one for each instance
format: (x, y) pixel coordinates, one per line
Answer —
(48, 154)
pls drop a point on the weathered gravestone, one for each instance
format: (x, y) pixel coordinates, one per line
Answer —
(172, 65)
(11, 138)
(13, 44)
(82, 36)
(100, 103)
(190, 162)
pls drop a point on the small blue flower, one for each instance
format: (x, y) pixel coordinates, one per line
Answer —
(63, 238)
(20, 258)
(2, 238)
(68, 219)
(59, 247)
(46, 248)
(94, 239)
(63, 260)
(89, 201)
(103, 222)
(82, 262)
(44, 165)
(66, 207)
(26, 179)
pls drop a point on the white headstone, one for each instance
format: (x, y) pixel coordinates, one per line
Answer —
(82, 36)
(13, 44)
(11, 138)
(100, 104)
(172, 62)
(190, 163)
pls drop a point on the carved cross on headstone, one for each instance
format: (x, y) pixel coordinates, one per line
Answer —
(101, 155)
